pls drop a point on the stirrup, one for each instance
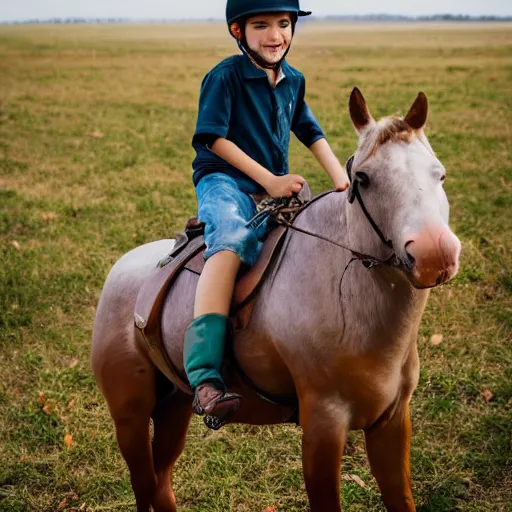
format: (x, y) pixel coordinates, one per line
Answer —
(213, 423)
(216, 421)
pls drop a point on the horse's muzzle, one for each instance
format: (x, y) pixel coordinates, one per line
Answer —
(433, 256)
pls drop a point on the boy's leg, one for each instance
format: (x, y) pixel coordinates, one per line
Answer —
(216, 284)
(206, 335)
(226, 210)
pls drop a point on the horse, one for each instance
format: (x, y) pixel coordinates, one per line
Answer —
(334, 332)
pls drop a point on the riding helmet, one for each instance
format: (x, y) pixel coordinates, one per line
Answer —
(236, 9)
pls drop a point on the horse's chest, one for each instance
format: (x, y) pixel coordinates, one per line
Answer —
(368, 387)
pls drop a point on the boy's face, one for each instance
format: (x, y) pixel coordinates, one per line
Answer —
(269, 35)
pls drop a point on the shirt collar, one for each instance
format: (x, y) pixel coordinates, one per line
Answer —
(281, 75)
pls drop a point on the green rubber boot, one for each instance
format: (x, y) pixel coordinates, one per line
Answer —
(203, 354)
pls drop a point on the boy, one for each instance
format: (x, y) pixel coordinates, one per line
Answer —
(248, 105)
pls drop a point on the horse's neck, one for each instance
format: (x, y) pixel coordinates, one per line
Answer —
(377, 299)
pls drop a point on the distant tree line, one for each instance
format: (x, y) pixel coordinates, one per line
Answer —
(433, 17)
(366, 17)
(67, 21)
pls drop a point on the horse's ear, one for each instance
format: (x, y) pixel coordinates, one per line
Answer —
(359, 112)
(417, 116)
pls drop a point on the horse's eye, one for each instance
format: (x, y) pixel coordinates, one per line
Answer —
(363, 178)
(443, 178)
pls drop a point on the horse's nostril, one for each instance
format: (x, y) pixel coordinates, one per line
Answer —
(410, 257)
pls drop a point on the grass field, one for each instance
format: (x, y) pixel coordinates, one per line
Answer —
(95, 158)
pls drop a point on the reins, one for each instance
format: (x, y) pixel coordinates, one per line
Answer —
(285, 210)
(369, 261)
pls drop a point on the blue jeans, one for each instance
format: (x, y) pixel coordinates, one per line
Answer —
(226, 207)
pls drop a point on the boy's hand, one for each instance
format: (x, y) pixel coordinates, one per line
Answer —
(285, 186)
(341, 183)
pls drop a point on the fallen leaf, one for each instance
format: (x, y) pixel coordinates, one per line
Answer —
(42, 398)
(436, 339)
(71, 404)
(95, 134)
(487, 394)
(48, 217)
(73, 363)
(270, 509)
(83, 506)
(68, 440)
(47, 409)
(16, 245)
(355, 479)
(62, 504)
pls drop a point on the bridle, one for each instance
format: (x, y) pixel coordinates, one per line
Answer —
(361, 179)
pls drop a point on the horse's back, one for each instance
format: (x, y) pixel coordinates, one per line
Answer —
(129, 272)
(137, 263)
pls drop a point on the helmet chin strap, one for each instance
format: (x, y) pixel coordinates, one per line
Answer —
(258, 59)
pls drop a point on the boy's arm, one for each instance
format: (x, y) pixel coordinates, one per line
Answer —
(276, 186)
(327, 159)
(308, 131)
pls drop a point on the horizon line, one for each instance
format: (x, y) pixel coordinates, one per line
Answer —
(347, 17)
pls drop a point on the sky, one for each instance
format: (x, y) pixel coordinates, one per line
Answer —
(11, 10)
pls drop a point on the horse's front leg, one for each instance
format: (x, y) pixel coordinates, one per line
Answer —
(324, 433)
(388, 449)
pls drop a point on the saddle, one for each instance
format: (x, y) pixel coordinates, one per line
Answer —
(187, 255)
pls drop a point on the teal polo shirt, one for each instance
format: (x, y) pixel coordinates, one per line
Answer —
(238, 103)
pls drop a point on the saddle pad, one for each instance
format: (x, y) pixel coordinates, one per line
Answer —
(148, 309)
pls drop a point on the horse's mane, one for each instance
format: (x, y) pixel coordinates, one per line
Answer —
(387, 129)
(393, 129)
